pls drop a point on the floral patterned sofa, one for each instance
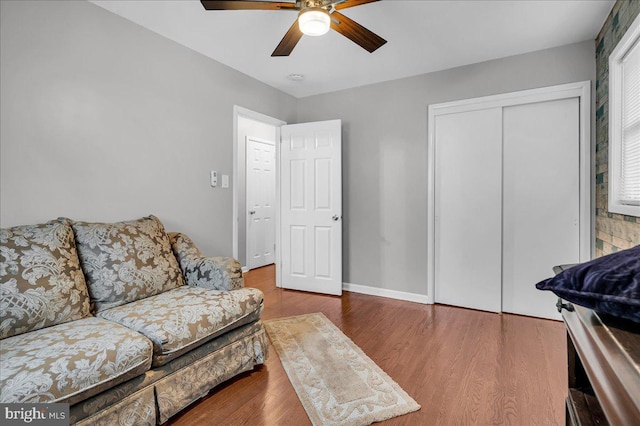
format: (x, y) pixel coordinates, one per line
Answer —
(126, 323)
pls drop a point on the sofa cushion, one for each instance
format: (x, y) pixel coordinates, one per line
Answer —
(217, 273)
(181, 319)
(70, 362)
(41, 283)
(126, 261)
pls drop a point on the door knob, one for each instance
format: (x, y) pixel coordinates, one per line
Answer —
(252, 212)
(335, 217)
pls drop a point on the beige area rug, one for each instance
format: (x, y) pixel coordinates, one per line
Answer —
(336, 382)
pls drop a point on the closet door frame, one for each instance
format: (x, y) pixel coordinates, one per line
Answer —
(581, 90)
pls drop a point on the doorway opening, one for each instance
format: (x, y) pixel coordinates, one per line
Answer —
(305, 215)
(252, 230)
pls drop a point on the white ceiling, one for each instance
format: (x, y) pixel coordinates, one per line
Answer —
(422, 36)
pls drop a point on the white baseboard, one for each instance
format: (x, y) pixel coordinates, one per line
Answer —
(383, 292)
(245, 269)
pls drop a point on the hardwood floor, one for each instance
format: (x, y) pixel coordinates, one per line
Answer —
(464, 367)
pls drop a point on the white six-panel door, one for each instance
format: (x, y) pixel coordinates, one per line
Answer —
(261, 199)
(311, 207)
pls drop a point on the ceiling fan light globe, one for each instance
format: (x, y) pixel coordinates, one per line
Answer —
(314, 22)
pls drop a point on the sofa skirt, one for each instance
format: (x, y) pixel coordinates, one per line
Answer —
(174, 386)
(137, 409)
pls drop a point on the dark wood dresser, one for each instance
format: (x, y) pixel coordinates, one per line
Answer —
(604, 368)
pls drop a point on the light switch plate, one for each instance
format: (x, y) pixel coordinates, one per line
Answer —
(225, 181)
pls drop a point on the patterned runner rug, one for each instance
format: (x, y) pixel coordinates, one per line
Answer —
(336, 382)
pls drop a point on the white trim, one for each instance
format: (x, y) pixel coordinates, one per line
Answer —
(587, 179)
(244, 112)
(383, 292)
(431, 204)
(541, 94)
(581, 90)
(245, 269)
(278, 230)
(631, 37)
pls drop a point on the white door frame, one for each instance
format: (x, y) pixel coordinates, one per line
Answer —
(247, 113)
(581, 90)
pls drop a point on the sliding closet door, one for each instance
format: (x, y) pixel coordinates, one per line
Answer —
(541, 201)
(468, 173)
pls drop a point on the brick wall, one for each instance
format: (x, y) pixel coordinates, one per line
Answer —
(613, 231)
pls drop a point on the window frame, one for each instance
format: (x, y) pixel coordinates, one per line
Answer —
(631, 40)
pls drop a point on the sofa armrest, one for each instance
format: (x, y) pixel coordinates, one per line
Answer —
(216, 273)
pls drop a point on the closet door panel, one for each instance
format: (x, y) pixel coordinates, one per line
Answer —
(468, 209)
(541, 201)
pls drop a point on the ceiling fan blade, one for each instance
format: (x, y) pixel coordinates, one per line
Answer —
(351, 3)
(356, 32)
(247, 5)
(289, 41)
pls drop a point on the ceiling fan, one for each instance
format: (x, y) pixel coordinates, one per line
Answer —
(315, 17)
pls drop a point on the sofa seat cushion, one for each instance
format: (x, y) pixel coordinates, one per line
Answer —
(70, 362)
(41, 283)
(183, 318)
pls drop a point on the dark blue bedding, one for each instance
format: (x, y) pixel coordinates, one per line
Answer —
(609, 284)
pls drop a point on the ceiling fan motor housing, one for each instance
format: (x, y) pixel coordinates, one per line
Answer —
(314, 21)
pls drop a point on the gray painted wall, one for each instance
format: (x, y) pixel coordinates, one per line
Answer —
(103, 120)
(385, 154)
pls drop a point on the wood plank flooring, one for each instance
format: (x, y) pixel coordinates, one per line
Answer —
(463, 367)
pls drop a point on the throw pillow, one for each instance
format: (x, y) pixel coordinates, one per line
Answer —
(126, 261)
(41, 283)
(609, 284)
